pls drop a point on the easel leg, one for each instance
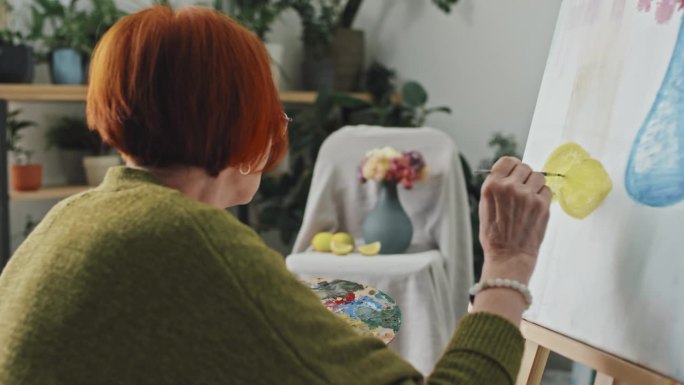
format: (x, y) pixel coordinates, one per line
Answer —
(533, 364)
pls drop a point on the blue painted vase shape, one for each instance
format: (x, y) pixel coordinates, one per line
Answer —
(388, 223)
(655, 170)
(67, 66)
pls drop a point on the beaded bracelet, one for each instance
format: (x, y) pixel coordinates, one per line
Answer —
(503, 283)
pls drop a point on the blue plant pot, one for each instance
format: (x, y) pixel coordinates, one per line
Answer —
(388, 223)
(67, 66)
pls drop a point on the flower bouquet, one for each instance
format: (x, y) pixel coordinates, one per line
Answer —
(389, 165)
(388, 223)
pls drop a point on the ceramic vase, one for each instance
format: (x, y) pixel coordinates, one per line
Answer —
(388, 222)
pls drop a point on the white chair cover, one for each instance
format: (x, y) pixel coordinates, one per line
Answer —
(431, 281)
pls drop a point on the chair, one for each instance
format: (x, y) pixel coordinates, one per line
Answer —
(430, 281)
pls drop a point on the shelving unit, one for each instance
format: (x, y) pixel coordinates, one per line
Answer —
(49, 192)
(54, 93)
(60, 93)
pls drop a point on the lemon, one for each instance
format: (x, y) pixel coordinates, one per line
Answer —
(342, 238)
(341, 249)
(321, 241)
(370, 249)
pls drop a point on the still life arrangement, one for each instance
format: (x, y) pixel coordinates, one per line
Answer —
(578, 181)
(388, 222)
(368, 310)
(387, 229)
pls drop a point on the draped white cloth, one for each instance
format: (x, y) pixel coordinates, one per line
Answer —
(431, 281)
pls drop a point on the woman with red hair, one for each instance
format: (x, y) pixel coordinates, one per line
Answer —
(147, 280)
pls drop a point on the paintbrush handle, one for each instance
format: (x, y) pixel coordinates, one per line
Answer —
(539, 172)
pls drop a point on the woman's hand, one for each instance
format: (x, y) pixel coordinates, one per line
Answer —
(514, 212)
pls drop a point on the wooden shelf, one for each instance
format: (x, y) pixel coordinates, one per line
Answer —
(48, 192)
(42, 93)
(61, 93)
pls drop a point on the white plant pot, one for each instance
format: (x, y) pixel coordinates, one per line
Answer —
(96, 167)
(277, 53)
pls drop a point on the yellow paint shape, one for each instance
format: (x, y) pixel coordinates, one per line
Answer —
(561, 160)
(585, 183)
(585, 186)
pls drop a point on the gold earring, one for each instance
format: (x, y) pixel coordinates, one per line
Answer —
(243, 172)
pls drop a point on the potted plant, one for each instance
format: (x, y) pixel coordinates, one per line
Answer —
(70, 34)
(16, 58)
(85, 158)
(25, 176)
(333, 51)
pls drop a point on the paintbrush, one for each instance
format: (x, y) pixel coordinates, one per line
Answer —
(538, 172)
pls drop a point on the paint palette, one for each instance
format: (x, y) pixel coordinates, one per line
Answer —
(369, 311)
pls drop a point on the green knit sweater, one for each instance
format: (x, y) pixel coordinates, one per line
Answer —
(133, 283)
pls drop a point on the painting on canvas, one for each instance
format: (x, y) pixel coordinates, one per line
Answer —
(614, 84)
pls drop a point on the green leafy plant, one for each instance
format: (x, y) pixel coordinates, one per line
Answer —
(65, 26)
(321, 18)
(72, 133)
(389, 106)
(58, 25)
(13, 137)
(257, 15)
(14, 38)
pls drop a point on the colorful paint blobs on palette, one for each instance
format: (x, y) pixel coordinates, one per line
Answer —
(664, 10)
(584, 184)
(655, 170)
(369, 311)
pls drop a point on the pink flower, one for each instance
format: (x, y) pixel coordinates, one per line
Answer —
(387, 164)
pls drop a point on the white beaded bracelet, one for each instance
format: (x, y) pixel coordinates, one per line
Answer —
(504, 283)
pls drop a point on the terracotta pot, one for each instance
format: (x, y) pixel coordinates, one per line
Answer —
(26, 177)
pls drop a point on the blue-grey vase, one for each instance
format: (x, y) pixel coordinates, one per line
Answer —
(388, 223)
(67, 66)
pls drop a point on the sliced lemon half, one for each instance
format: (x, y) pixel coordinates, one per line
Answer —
(370, 249)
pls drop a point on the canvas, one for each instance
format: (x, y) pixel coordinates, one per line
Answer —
(614, 84)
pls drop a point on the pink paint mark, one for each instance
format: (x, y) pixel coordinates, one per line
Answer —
(644, 5)
(665, 10)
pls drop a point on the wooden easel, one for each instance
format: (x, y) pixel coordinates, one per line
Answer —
(610, 369)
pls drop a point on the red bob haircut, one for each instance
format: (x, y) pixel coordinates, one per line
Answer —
(186, 88)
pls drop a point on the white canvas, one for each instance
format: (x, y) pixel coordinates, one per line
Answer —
(615, 280)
